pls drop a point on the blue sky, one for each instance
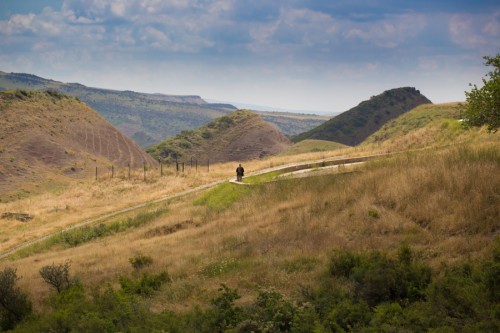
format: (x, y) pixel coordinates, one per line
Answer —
(321, 56)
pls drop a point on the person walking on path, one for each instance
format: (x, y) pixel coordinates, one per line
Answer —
(240, 172)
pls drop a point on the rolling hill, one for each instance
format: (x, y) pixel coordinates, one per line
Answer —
(151, 118)
(239, 136)
(355, 125)
(425, 126)
(47, 134)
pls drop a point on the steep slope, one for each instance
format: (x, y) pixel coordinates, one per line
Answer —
(355, 125)
(48, 133)
(239, 136)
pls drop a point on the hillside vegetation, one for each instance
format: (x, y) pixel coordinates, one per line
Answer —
(48, 134)
(239, 136)
(401, 244)
(382, 247)
(355, 125)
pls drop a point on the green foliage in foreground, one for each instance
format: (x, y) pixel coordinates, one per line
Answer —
(14, 304)
(483, 104)
(367, 292)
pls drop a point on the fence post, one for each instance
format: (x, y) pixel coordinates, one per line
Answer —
(161, 168)
(144, 171)
(196, 165)
(96, 172)
(112, 171)
(129, 171)
(208, 165)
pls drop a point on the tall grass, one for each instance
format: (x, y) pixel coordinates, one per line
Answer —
(443, 203)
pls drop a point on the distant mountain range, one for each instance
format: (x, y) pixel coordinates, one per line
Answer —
(48, 134)
(151, 118)
(240, 136)
(355, 125)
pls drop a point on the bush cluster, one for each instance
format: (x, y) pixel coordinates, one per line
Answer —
(367, 292)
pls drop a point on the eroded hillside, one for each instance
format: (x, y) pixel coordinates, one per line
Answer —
(47, 134)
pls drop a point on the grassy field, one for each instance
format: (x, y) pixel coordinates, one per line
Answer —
(442, 202)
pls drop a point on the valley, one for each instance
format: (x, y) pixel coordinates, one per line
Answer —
(190, 237)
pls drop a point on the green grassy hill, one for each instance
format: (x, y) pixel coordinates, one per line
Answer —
(239, 136)
(355, 125)
(425, 126)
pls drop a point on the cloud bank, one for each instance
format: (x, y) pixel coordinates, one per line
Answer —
(291, 54)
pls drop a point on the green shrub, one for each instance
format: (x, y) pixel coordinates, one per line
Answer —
(139, 261)
(342, 263)
(225, 315)
(348, 316)
(14, 304)
(146, 286)
(77, 236)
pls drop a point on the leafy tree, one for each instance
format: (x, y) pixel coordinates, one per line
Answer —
(483, 104)
(14, 304)
(57, 276)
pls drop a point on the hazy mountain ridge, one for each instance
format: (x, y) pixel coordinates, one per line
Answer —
(356, 124)
(151, 118)
(239, 136)
(146, 118)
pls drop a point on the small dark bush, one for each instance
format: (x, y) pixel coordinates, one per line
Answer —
(140, 261)
(146, 286)
(343, 262)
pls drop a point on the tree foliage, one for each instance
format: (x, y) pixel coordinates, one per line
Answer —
(57, 276)
(483, 104)
(14, 304)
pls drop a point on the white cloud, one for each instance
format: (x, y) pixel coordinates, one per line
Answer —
(390, 32)
(476, 31)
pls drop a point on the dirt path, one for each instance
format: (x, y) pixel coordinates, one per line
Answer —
(292, 168)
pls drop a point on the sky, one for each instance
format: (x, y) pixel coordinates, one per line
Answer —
(319, 56)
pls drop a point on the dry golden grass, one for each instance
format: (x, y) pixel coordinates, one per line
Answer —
(68, 203)
(443, 203)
